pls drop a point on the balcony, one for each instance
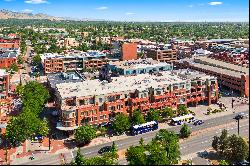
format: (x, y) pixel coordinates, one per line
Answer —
(138, 100)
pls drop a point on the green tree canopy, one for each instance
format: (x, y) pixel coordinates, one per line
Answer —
(231, 147)
(153, 115)
(137, 118)
(121, 123)
(24, 126)
(185, 131)
(136, 155)
(36, 60)
(167, 112)
(85, 134)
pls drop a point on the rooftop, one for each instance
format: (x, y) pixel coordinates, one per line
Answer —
(58, 78)
(221, 64)
(139, 63)
(119, 84)
(8, 54)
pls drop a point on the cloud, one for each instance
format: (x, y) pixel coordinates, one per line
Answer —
(215, 3)
(102, 8)
(27, 11)
(36, 1)
(129, 13)
(190, 5)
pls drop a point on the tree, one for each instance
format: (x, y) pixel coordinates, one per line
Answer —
(182, 110)
(185, 131)
(153, 115)
(136, 155)
(20, 59)
(83, 47)
(79, 159)
(19, 89)
(220, 144)
(24, 126)
(238, 149)
(85, 134)
(157, 154)
(231, 147)
(14, 67)
(167, 112)
(141, 142)
(36, 60)
(223, 162)
(121, 123)
(137, 118)
(113, 151)
(34, 96)
(170, 141)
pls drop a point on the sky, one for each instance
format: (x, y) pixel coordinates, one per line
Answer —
(137, 10)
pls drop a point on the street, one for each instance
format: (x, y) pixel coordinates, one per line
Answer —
(195, 142)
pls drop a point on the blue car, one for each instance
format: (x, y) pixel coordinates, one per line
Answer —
(198, 122)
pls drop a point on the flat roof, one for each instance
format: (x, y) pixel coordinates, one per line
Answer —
(120, 84)
(138, 64)
(221, 64)
(58, 78)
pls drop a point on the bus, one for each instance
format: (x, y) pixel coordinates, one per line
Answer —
(144, 128)
(181, 119)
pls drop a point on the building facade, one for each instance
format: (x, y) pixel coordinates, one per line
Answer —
(167, 55)
(133, 67)
(9, 43)
(229, 75)
(129, 51)
(97, 102)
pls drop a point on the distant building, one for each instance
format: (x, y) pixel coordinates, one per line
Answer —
(165, 55)
(133, 67)
(7, 59)
(4, 92)
(232, 76)
(54, 63)
(9, 43)
(70, 42)
(129, 51)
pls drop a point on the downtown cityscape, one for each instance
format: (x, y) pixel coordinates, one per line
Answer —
(104, 82)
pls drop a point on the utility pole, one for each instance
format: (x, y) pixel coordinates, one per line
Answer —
(238, 126)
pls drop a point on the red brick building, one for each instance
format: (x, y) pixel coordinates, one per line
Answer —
(95, 102)
(231, 76)
(129, 51)
(9, 43)
(167, 55)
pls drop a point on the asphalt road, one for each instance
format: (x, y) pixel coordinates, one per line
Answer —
(204, 141)
(133, 140)
(197, 143)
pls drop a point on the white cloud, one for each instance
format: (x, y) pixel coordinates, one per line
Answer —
(36, 1)
(190, 5)
(102, 8)
(27, 11)
(215, 3)
(129, 13)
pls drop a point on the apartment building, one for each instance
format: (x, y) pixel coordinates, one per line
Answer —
(132, 67)
(54, 63)
(70, 42)
(231, 76)
(165, 55)
(9, 42)
(7, 59)
(129, 51)
(96, 102)
(4, 90)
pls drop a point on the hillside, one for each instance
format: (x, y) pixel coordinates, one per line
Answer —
(6, 14)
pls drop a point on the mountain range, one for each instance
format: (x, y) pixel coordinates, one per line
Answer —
(7, 14)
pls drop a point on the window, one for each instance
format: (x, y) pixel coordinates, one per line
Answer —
(100, 100)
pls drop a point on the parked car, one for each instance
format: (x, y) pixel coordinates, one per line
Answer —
(198, 122)
(104, 149)
(239, 116)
